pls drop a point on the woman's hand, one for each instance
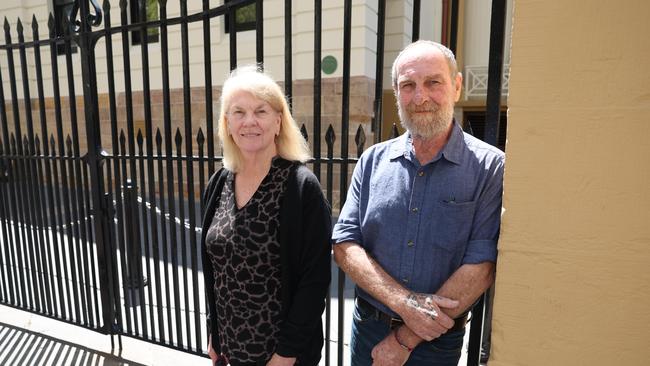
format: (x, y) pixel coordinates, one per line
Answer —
(213, 355)
(278, 360)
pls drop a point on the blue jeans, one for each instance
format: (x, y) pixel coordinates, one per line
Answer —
(367, 331)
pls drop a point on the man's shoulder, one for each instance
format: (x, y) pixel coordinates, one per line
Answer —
(482, 150)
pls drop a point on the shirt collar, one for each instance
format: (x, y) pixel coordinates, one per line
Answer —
(402, 146)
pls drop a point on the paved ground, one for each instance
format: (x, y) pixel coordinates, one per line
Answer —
(29, 339)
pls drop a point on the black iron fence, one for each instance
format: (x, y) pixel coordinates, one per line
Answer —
(98, 214)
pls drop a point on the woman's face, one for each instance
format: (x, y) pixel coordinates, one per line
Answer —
(252, 123)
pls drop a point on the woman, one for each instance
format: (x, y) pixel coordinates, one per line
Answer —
(266, 233)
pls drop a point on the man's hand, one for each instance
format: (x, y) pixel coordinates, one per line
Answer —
(389, 353)
(423, 314)
(278, 360)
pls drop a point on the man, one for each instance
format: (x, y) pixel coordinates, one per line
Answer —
(418, 232)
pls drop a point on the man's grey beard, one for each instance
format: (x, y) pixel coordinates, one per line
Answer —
(429, 125)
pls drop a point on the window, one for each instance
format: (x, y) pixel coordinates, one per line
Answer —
(62, 9)
(152, 14)
(244, 18)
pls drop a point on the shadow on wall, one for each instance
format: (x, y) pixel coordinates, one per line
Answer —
(23, 347)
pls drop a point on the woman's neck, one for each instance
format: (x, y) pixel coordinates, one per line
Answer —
(255, 165)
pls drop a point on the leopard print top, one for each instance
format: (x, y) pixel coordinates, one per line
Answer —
(243, 247)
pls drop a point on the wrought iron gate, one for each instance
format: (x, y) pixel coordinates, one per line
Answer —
(99, 215)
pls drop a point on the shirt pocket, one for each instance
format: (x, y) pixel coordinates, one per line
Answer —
(453, 225)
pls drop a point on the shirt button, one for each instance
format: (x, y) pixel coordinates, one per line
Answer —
(405, 280)
(410, 243)
(420, 173)
(414, 209)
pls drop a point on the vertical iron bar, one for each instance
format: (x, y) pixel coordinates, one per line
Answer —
(59, 192)
(164, 49)
(30, 173)
(5, 249)
(149, 146)
(415, 34)
(476, 332)
(18, 193)
(232, 37)
(57, 228)
(73, 231)
(453, 31)
(141, 238)
(126, 54)
(259, 34)
(6, 260)
(329, 139)
(89, 257)
(110, 304)
(209, 113)
(173, 230)
(495, 72)
(200, 139)
(132, 277)
(170, 171)
(187, 104)
(75, 171)
(345, 124)
(288, 53)
(144, 228)
(122, 237)
(48, 171)
(163, 231)
(16, 253)
(5, 176)
(110, 252)
(379, 70)
(41, 217)
(318, 9)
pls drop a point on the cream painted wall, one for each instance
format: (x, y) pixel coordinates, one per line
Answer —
(476, 42)
(399, 29)
(573, 285)
(364, 25)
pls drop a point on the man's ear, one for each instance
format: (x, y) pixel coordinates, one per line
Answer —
(458, 86)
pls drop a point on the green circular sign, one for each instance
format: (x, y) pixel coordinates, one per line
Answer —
(328, 65)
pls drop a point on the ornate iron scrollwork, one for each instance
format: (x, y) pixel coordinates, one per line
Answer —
(92, 20)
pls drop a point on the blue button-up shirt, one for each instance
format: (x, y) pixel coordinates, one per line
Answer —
(422, 222)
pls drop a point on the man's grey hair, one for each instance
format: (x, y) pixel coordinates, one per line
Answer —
(449, 56)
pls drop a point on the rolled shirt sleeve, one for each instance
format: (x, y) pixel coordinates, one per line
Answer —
(482, 245)
(348, 228)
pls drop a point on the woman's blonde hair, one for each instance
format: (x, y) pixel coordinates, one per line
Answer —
(290, 144)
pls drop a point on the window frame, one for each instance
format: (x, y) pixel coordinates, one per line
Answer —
(244, 26)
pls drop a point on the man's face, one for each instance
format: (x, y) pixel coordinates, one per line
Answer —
(426, 93)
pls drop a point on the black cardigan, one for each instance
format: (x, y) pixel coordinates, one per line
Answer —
(305, 253)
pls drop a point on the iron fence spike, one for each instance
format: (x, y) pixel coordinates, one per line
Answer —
(178, 137)
(158, 137)
(303, 131)
(330, 136)
(139, 137)
(200, 138)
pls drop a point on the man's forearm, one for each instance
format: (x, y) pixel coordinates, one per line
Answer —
(369, 275)
(466, 285)
(421, 312)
